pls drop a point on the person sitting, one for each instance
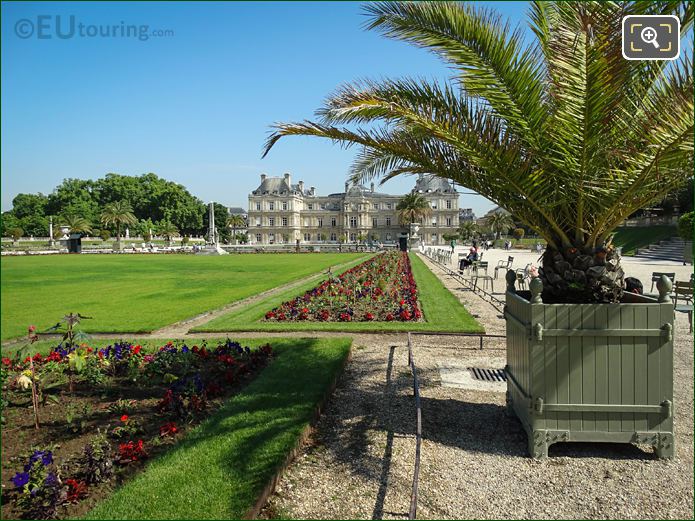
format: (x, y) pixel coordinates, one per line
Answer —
(633, 285)
(467, 261)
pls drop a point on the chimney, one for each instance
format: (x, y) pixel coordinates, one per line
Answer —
(313, 190)
(263, 176)
(288, 179)
(347, 186)
(372, 187)
(301, 187)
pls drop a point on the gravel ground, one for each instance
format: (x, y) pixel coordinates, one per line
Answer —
(359, 461)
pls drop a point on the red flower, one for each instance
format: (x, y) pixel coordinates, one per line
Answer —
(136, 350)
(76, 490)
(368, 316)
(32, 329)
(6, 361)
(124, 418)
(389, 317)
(168, 429)
(405, 315)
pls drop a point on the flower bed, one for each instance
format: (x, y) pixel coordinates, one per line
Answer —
(381, 289)
(102, 413)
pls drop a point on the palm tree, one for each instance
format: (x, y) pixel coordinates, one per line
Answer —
(167, 229)
(467, 230)
(499, 223)
(563, 133)
(118, 213)
(413, 208)
(235, 222)
(76, 224)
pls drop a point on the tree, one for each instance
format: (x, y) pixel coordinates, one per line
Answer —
(167, 229)
(499, 223)
(563, 133)
(75, 224)
(16, 234)
(105, 235)
(413, 208)
(234, 222)
(117, 214)
(518, 233)
(467, 230)
(685, 226)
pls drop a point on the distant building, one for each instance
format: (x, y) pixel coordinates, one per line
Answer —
(466, 214)
(282, 212)
(237, 210)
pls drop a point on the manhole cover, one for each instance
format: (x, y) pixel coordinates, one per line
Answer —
(488, 375)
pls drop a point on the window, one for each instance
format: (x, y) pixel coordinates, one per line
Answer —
(388, 221)
(311, 206)
(448, 204)
(271, 221)
(434, 221)
(389, 206)
(334, 237)
(258, 206)
(353, 222)
(323, 206)
(434, 205)
(285, 237)
(320, 222)
(258, 221)
(448, 221)
(284, 205)
(434, 238)
(388, 236)
(353, 237)
(332, 223)
(271, 238)
(307, 237)
(375, 206)
(375, 222)
(284, 221)
(271, 206)
(258, 237)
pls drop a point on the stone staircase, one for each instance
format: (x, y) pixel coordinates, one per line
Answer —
(673, 250)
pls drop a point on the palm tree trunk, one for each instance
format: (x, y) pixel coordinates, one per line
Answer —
(118, 235)
(581, 275)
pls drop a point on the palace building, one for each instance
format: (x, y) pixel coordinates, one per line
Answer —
(282, 212)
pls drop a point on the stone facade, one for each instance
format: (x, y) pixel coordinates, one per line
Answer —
(283, 212)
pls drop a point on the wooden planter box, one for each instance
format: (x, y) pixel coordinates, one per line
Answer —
(591, 372)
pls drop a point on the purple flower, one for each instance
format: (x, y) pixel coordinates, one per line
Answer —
(51, 479)
(20, 479)
(47, 458)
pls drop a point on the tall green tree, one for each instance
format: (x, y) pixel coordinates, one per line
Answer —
(234, 223)
(117, 214)
(499, 223)
(75, 224)
(563, 133)
(413, 208)
(467, 230)
(167, 229)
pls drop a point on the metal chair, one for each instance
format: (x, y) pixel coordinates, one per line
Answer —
(504, 265)
(684, 291)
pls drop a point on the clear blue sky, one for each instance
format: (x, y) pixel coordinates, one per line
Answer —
(193, 106)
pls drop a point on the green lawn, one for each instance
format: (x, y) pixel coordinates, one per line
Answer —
(632, 238)
(139, 293)
(442, 312)
(220, 468)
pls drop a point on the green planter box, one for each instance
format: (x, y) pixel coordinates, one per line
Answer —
(591, 372)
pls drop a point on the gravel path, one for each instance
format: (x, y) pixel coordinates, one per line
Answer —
(359, 462)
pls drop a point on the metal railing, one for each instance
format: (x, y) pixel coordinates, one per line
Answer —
(418, 430)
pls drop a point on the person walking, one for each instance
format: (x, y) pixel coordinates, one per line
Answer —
(453, 245)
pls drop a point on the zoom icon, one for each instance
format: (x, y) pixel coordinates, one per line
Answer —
(651, 37)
